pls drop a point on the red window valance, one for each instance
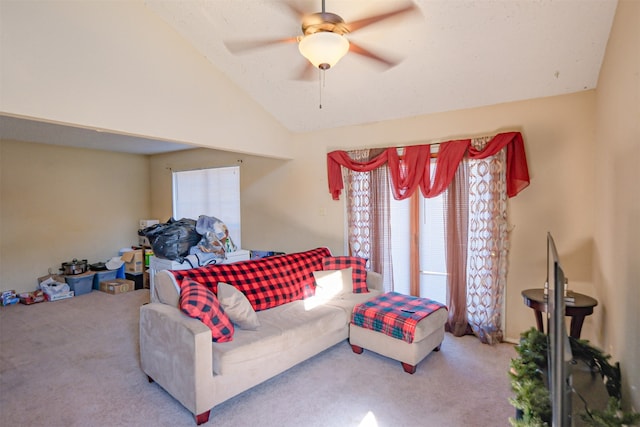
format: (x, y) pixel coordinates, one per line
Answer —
(412, 169)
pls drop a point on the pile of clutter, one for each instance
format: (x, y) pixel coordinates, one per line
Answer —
(202, 242)
(75, 278)
(55, 289)
(10, 297)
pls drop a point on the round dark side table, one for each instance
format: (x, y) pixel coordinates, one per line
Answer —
(581, 306)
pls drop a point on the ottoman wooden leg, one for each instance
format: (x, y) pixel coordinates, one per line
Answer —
(356, 349)
(203, 417)
(410, 369)
(438, 347)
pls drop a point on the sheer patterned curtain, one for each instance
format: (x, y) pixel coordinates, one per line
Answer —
(476, 246)
(488, 244)
(358, 189)
(368, 211)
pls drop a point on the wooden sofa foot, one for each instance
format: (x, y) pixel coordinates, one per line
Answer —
(150, 379)
(356, 349)
(409, 369)
(203, 417)
(438, 347)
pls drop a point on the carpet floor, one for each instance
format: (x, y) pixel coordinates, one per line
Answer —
(76, 363)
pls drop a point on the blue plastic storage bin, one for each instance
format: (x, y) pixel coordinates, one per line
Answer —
(102, 276)
(81, 283)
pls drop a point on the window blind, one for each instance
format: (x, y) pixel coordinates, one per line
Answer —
(212, 192)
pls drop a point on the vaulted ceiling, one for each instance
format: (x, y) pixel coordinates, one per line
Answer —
(452, 54)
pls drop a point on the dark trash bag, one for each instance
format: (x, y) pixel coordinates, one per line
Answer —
(173, 239)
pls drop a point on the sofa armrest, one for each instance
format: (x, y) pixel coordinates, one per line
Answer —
(175, 352)
(374, 280)
(165, 289)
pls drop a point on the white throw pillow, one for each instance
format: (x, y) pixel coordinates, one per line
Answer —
(333, 283)
(237, 307)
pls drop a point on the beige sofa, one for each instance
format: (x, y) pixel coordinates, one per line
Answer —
(177, 352)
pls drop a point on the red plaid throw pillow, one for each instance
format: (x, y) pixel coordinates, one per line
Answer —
(200, 303)
(359, 266)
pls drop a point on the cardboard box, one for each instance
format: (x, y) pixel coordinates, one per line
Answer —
(57, 277)
(59, 296)
(11, 293)
(117, 286)
(133, 261)
(9, 297)
(102, 276)
(34, 297)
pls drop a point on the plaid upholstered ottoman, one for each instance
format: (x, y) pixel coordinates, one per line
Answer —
(402, 327)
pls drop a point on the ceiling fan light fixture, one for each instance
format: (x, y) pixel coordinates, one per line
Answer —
(324, 49)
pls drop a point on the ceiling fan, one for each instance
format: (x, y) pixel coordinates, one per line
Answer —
(323, 42)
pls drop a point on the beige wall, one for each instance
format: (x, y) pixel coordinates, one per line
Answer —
(286, 205)
(59, 203)
(260, 178)
(559, 140)
(616, 266)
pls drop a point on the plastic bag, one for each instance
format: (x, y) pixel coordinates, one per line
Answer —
(215, 237)
(173, 239)
(51, 287)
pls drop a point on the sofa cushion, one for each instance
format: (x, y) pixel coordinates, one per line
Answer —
(359, 272)
(333, 283)
(200, 303)
(237, 307)
(266, 282)
(285, 330)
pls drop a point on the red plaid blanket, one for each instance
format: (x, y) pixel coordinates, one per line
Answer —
(266, 282)
(394, 314)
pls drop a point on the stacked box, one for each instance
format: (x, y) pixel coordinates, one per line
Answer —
(133, 261)
(117, 286)
(136, 278)
(102, 276)
(34, 297)
(9, 297)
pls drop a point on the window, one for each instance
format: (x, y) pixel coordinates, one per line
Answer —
(433, 276)
(212, 192)
(478, 175)
(433, 267)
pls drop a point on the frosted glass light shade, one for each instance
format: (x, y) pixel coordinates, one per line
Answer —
(323, 49)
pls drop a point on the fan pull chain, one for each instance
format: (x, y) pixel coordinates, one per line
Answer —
(321, 83)
(320, 87)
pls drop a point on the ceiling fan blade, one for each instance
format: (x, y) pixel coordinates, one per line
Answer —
(240, 46)
(358, 49)
(361, 23)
